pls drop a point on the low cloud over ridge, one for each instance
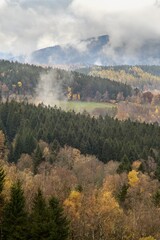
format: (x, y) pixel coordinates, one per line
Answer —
(27, 25)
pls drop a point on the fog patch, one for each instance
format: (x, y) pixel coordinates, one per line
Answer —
(52, 89)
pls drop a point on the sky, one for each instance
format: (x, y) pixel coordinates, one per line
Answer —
(28, 25)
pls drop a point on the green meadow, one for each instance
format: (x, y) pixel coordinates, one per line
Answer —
(93, 108)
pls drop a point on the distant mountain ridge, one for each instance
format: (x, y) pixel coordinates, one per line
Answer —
(5, 56)
(94, 51)
(96, 54)
(69, 54)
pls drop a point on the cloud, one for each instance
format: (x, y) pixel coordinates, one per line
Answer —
(52, 5)
(129, 24)
(106, 6)
(27, 25)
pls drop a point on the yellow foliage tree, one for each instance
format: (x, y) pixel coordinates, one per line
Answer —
(19, 84)
(156, 111)
(107, 202)
(73, 203)
(136, 165)
(133, 178)
(147, 238)
(2, 141)
(108, 214)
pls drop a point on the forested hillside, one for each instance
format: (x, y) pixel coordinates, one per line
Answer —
(70, 176)
(144, 77)
(16, 78)
(51, 190)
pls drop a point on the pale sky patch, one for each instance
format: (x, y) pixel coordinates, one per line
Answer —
(112, 5)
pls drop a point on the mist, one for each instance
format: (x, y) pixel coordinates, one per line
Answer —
(51, 89)
(28, 25)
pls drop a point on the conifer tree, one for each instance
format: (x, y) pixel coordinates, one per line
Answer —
(125, 165)
(122, 193)
(39, 219)
(2, 180)
(60, 225)
(11, 156)
(37, 158)
(55, 146)
(107, 152)
(157, 172)
(2, 145)
(14, 224)
(156, 198)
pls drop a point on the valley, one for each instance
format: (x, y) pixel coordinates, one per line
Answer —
(79, 120)
(78, 141)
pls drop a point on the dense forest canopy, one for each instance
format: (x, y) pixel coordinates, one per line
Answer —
(24, 78)
(106, 138)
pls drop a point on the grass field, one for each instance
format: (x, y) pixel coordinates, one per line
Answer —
(92, 108)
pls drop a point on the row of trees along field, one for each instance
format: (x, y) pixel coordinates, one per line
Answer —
(23, 79)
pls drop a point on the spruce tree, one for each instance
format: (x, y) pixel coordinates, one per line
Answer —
(39, 219)
(37, 158)
(156, 198)
(55, 146)
(125, 165)
(2, 180)
(121, 196)
(59, 229)
(18, 149)
(107, 151)
(157, 172)
(47, 222)
(14, 224)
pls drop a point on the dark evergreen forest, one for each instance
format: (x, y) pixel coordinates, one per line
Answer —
(106, 138)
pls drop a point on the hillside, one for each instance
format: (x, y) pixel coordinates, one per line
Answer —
(35, 148)
(67, 172)
(72, 196)
(25, 79)
(143, 77)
